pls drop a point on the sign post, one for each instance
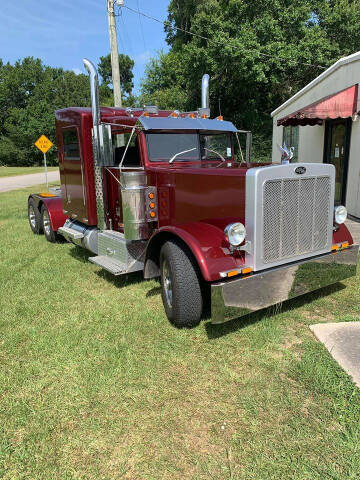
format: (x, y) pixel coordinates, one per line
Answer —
(44, 145)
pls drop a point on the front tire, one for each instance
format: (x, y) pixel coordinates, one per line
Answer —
(180, 285)
(34, 217)
(49, 233)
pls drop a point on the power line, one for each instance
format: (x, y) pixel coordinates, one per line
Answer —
(141, 27)
(164, 22)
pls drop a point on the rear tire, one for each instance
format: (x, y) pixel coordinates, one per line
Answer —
(34, 217)
(49, 233)
(180, 285)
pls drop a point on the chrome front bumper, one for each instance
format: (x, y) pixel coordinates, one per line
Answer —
(235, 298)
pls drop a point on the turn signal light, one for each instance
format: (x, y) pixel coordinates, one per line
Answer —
(232, 273)
(345, 245)
(335, 247)
(152, 214)
(151, 195)
(246, 270)
(152, 205)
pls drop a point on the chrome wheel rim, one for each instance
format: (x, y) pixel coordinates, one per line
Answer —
(46, 223)
(32, 217)
(167, 283)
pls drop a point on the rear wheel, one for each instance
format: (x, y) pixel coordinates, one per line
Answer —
(180, 285)
(49, 233)
(34, 217)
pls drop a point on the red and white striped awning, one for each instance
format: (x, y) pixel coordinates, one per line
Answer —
(343, 104)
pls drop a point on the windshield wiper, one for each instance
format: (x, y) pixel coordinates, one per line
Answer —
(217, 153)
(180, 153)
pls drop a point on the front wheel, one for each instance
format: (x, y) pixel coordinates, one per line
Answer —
(180, 285)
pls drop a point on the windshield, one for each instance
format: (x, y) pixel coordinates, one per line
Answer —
(188, 146)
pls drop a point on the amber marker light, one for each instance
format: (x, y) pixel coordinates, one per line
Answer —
(246, 270)
(152, 214)
(232, 273)
(334, 248)
(152, 205)
(151, 195)
(220, 117)
(345, 245)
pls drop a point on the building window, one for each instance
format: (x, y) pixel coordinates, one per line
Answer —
(291, 139)
(71, 144)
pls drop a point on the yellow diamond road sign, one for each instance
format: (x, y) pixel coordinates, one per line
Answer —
(43, 144)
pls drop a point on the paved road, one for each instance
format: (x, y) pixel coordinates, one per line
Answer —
(22, 181)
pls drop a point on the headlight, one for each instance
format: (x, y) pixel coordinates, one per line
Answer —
(340, 214)
(235, 233)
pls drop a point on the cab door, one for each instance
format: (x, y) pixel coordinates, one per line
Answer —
(75, 192)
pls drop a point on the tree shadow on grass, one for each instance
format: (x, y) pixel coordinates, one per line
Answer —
(214, 331)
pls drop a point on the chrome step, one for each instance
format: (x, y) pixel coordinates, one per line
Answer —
(69, 232)
(109, 264)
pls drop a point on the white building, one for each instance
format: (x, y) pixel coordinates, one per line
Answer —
(322, 123)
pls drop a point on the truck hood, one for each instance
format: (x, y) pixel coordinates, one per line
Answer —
(208, 193)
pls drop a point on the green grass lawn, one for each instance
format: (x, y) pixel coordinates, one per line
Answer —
(96, 384)
(14, 171)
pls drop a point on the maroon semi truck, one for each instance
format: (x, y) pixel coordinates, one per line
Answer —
(163, 192)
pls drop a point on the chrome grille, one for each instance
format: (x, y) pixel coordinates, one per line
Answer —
(295, 217)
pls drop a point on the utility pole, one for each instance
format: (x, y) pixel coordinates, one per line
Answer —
(114, 53)
(114, 50)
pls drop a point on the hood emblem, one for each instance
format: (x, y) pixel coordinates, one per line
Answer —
(300, 170)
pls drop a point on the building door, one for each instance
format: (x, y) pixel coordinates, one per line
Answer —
(337, 146)
(357, 207)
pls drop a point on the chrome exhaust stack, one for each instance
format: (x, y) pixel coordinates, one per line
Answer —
(205, 102)
(94, 91)
(102, 143)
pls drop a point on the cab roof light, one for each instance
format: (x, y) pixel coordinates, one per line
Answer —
(192, 115)
(334, 248)
(220, 117)
(175, 114)
(345, 245)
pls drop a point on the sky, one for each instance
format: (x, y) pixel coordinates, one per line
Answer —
(63, 32)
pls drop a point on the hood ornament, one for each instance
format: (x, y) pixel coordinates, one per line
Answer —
(286, 154)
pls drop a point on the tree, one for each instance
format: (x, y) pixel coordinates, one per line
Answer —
(126, 75)
(258, 55)
(30, 92)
